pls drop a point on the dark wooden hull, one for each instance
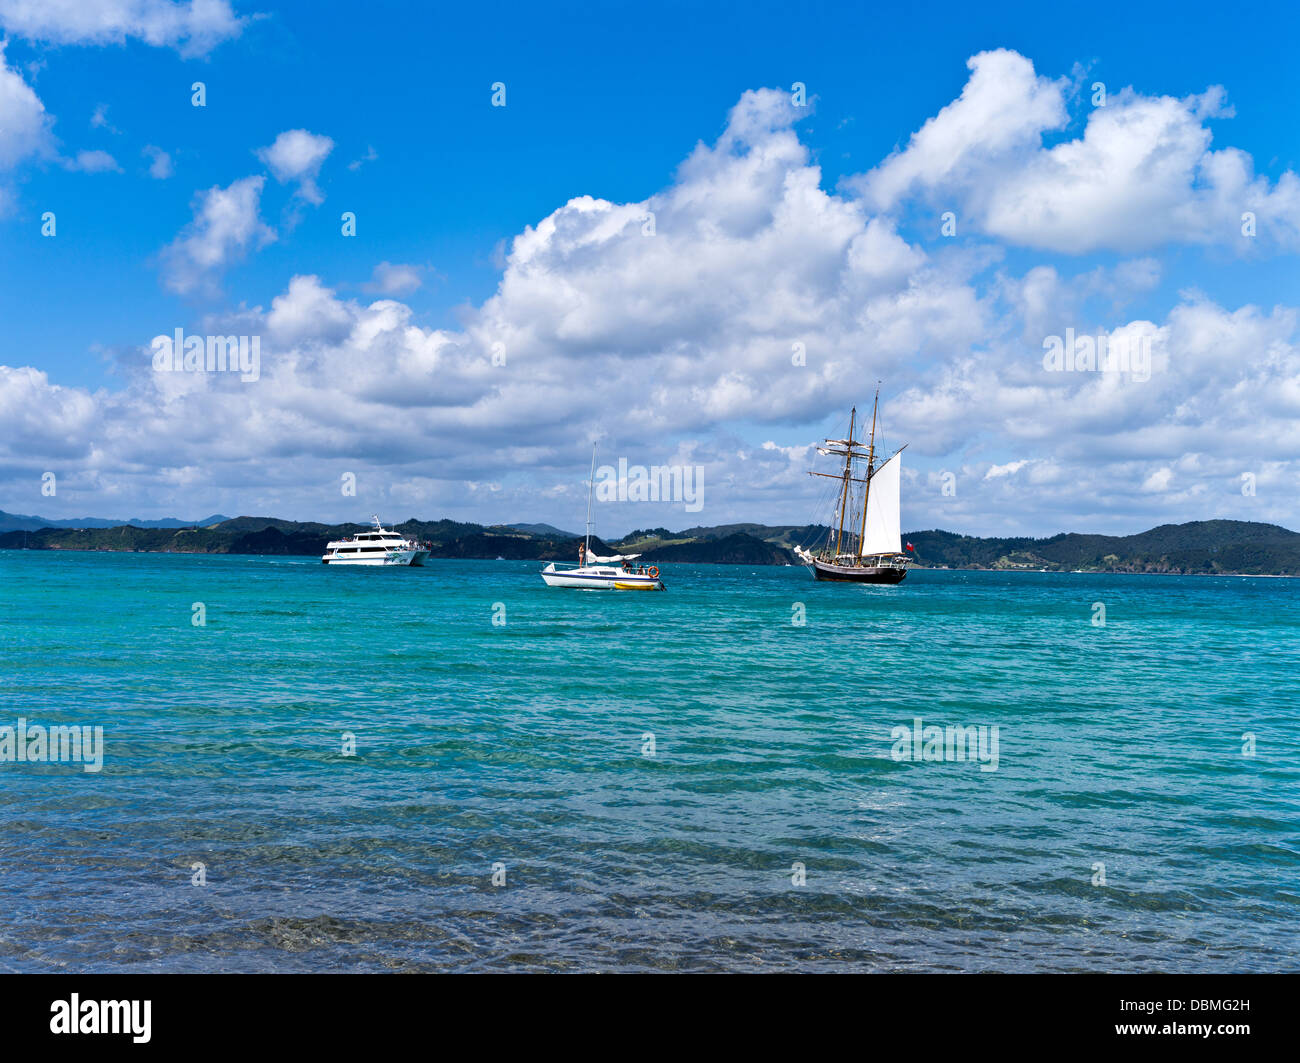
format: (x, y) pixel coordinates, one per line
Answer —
(858, 574)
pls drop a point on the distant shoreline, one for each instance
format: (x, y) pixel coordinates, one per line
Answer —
(1215, 547)
(5, 549)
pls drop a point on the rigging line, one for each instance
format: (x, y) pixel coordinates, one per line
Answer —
(820, 500)
(823, 504)
(823, 499)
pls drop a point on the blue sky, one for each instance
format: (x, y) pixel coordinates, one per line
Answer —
(608, 102)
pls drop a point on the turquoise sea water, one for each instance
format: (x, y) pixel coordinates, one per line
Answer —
(525, 744)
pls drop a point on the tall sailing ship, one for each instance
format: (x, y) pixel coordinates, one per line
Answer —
(864, 542)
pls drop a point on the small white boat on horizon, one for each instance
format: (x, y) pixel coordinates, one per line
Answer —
(378, 547)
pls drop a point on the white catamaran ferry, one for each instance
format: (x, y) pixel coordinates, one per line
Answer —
(378, 547)
(595, 573)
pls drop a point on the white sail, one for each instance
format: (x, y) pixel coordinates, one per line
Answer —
(884, 533)
(596, 559)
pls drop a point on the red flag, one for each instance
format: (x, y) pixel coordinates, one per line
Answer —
(911, 547)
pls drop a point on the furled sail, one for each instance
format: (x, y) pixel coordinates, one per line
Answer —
(596, 559)
(884, 535)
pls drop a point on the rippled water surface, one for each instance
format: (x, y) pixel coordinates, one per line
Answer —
(528, 744)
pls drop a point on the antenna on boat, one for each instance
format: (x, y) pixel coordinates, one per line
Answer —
(591, 487)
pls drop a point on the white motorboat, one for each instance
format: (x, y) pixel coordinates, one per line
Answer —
(595, 573)
(378, 547)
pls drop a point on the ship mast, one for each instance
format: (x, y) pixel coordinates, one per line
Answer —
(871, 456)
(591, 486)
(851, 449)
(848, 475)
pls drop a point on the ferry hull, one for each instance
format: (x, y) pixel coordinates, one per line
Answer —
(858, 573)
(395, 557)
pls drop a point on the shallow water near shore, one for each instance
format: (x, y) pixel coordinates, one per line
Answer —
(648, 772)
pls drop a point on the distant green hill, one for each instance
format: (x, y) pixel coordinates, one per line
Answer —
(1206, 546)
(1213, 546)
(785, 535)
(540, 529)
(735, 549)
(23, 522)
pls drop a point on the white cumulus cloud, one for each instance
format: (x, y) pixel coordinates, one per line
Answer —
(1142, 175)
(95, 161)
(394, 278)
(24, 125)
(296, 156)
(160, 162)
(192, 27)
(225, 227)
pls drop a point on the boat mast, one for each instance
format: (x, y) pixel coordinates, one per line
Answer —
(871, 454)
(848, 476)
(591, 486)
